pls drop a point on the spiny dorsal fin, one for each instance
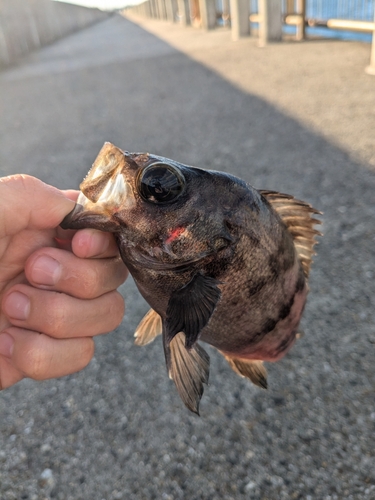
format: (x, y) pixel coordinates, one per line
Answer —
(189, 370)
(252, 369)
(297, 216)
(149, 328)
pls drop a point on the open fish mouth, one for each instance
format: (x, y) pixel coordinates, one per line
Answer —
(87, 212)
(104, 192)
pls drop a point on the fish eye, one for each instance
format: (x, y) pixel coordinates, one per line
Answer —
(161, 183)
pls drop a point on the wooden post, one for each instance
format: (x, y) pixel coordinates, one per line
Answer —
(226, 12)
(148, 8)
(162, 10)
(300, 28)
(208, 14)
(183, 12)
(239, 12)
(270, 22)
(370, 70)
(290, 7)
(153, 9)
(171, 9)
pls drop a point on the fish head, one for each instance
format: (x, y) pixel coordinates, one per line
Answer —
(169, 212)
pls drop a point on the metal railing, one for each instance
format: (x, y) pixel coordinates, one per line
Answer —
(325, 18)
(272, 18)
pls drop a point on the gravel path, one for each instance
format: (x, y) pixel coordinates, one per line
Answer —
(298, 118)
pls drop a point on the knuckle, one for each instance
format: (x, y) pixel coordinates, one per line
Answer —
(90, 282)
(121, 271)
(116, 310)
(36, 363)
(113, 311)
(87, 352)
(55, 319)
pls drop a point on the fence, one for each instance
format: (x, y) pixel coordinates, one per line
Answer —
(270, 19)
(28, 24)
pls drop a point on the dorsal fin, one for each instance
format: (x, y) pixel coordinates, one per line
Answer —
(298, 217)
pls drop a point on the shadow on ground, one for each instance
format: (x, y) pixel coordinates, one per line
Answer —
(118, 429)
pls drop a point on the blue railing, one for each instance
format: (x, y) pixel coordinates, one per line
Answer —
(322, 10)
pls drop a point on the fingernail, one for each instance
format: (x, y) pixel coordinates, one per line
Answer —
(46, 271)
(17, 305)
(6, 345)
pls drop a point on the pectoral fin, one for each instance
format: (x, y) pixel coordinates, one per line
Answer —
(189, 370)
(149, 328)
(190, 308)
(252, 369)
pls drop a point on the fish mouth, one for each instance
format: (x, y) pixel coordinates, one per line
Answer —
(96, 210)
(99, 213)
(84, 216)
(104, 192)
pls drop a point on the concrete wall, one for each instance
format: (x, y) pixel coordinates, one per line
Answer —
(26, 25)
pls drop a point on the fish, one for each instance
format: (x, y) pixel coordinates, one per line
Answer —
(217, 260)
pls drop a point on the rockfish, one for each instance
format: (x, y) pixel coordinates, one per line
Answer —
(217, 260)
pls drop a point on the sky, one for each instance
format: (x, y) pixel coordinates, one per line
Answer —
(103, 4)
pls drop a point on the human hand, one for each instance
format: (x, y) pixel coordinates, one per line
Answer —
(57, 288)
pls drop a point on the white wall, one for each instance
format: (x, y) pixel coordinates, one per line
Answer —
(26, 25)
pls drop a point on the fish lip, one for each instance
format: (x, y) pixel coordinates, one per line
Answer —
(70, 220)
(80, 218)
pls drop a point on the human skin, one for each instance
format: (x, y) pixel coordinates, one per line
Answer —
(58, 289)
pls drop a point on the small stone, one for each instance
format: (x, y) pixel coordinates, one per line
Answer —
(250, 486)
(46, 478)
(117, 495)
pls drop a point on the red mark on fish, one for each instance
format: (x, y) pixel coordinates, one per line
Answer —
(174, 234)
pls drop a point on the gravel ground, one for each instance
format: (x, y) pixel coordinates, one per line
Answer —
(298, 118)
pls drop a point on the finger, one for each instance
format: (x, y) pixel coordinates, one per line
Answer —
(62, 271)
(41, 357)
(92, 243)
(59, 315)
(9, 374)
(87, 243)
(26, 202)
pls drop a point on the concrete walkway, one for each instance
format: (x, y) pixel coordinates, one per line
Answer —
(298, 118)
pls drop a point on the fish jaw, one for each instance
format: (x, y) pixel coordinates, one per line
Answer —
(86, 214)
(106, 191)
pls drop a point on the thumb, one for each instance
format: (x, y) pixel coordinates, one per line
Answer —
(26, 202)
